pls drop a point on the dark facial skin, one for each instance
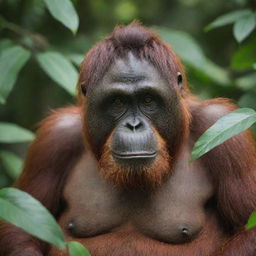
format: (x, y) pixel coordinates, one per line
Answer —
(128, 102)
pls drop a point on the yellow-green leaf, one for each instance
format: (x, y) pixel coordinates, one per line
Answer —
(77, 249)
(252, 221)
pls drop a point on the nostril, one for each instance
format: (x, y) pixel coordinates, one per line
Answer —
(134, 125)
(138, 125)
(130, 126)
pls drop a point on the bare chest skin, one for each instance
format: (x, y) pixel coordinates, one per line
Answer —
(174, 213)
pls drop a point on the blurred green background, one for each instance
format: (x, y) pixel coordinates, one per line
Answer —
(40, 53)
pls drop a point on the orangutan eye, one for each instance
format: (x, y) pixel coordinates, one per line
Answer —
(147, 100)
(118, 102)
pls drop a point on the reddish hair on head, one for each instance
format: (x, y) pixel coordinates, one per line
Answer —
(141, 41)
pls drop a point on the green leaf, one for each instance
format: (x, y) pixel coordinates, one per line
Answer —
(25, 212)
(245, 56)
(225, 128)
(190, 52)
(12, 163)
(247, 100)
(254, 66)
(11, 62)
(251, 222)
(64, 11)
(76, 249)
(12, 133)
(59, 69)
(244, 26)
(5, 43)
(246, 82)
(4, 180)
(76, 58)
(227, 18)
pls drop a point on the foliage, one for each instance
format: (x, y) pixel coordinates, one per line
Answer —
(225, 128)
(16, 209)
(42, 53)
(11, 62)
(11, 133)
(59, 69)
(252, 221)
(76, 248)
(63, 11)
(244, 23)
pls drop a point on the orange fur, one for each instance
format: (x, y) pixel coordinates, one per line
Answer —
(149, 176)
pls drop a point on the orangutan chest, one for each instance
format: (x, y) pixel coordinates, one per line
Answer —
(173, 213)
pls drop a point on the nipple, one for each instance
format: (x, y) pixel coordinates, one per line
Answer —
(70, 226)
(186, 234)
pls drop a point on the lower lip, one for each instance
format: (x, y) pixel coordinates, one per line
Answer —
(135, 155)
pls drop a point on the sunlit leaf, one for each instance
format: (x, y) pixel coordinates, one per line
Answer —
(190, 52)
(25, 212)
(11, 62)
(12, 133)
(251, 222)
(12, 163)
(227, 18)
(245, 56)
(244, 26)
(225, 128)
(60, 69)
(64, 11)
(77, 249)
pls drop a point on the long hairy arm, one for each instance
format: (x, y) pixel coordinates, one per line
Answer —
(232, 166)
(57, 146)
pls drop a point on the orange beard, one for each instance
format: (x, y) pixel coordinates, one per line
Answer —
(146, 176)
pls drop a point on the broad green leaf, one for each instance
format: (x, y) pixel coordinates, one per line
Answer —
(245, 56)
(12, 133)
(64, 11)
(190, 52)
(12, 163)
(25, 212)
(225, 128)
(227, 18)
(76, 58)
(244, 26)
(77, 249)
(251, 222)
(59, 69)
(11, 62)
(246, 82)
